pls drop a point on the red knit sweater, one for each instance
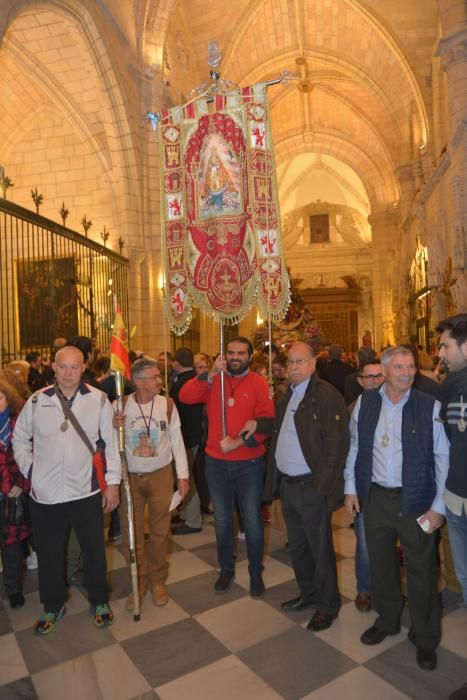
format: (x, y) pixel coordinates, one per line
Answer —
(251, 396)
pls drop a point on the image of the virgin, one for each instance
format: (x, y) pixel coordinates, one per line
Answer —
(145, 446)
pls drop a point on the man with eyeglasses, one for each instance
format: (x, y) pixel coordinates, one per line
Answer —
(153, 438)
(309, 443)
(369, 376)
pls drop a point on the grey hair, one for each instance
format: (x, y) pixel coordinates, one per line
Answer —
(140, 366)
(389, 353)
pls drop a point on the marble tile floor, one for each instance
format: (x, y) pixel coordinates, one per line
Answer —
(203, 646)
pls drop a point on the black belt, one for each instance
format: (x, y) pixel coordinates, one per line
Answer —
(395, 490)
(299, 477)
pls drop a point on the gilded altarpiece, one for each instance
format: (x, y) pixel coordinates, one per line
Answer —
(335, 311)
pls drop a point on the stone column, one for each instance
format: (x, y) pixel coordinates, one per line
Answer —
(453, 50)
(384, 227)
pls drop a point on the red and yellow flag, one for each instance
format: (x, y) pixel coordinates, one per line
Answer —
(119, 360)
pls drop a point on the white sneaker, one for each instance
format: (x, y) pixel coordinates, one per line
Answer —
(31, 562)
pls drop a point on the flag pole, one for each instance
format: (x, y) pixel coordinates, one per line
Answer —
(119, 360)
(224, 424)
(119, 392)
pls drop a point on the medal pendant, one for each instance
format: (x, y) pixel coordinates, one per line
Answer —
(64, 426)
(231, 402)
(461, 425)
(385, 440)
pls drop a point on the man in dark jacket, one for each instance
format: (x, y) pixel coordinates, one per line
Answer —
(396, 470)
(453, 353)
(336, 371)
(310, 441)
(191, 419)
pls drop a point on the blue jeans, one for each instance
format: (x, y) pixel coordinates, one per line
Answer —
(362, 561)
(457, 527)
(244, 479)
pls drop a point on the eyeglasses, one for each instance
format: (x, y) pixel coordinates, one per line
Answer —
(372, 377)
(299, 362)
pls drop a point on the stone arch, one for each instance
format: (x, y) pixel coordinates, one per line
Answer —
(121, 165)
(381, 187)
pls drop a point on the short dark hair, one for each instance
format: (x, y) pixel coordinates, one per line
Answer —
(244, 341)
(184, 357)
(457, 327)
(280, 359)
(102, 364)
(32, 356)
(366, 354)
(375, 361)
(83, 343)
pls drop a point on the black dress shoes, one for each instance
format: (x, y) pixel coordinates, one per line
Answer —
(427, 659)
(16, 600)
(320, 621)
(257, 587)
(296, 604)
(224, 582)
(185, 529)
(374, 635)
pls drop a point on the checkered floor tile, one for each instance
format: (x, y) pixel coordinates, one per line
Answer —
(204, 646)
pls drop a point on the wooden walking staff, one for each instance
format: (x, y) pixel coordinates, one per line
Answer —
(119, 392)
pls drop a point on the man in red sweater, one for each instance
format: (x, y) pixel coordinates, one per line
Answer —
(234, 467)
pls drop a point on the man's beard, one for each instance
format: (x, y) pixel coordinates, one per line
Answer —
(237, 369)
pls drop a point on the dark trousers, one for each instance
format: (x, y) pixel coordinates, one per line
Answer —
(50, 525)
(12, 559)
(310, 542)
(384, 525)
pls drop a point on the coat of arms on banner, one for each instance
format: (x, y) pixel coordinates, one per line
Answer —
(221, 224)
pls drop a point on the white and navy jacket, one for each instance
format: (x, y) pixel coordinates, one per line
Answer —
(58, 462)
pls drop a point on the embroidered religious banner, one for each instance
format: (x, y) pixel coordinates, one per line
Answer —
(220, 213)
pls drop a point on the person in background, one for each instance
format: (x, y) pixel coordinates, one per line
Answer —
(12, 485)
(36, 379)
(352, 387)
(191, 419)
(370, 376)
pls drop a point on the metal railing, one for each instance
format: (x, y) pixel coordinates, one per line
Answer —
(54, 283)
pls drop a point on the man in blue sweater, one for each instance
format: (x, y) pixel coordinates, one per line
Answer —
(396, 469)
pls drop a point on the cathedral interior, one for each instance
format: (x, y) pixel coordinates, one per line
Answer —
(370, 144)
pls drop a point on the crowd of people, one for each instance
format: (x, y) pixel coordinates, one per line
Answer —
(385, 435)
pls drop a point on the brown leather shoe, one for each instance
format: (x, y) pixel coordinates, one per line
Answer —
(363, 602)
(160, 596)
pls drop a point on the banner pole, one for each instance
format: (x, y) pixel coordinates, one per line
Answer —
(221, 331)
(119, 392)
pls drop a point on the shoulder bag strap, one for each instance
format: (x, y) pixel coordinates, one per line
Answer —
(69, 415)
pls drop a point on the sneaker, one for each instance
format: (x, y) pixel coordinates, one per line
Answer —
(224, 582)
(257, 587)
(103, 615)
(31, 562)
(47, 621)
